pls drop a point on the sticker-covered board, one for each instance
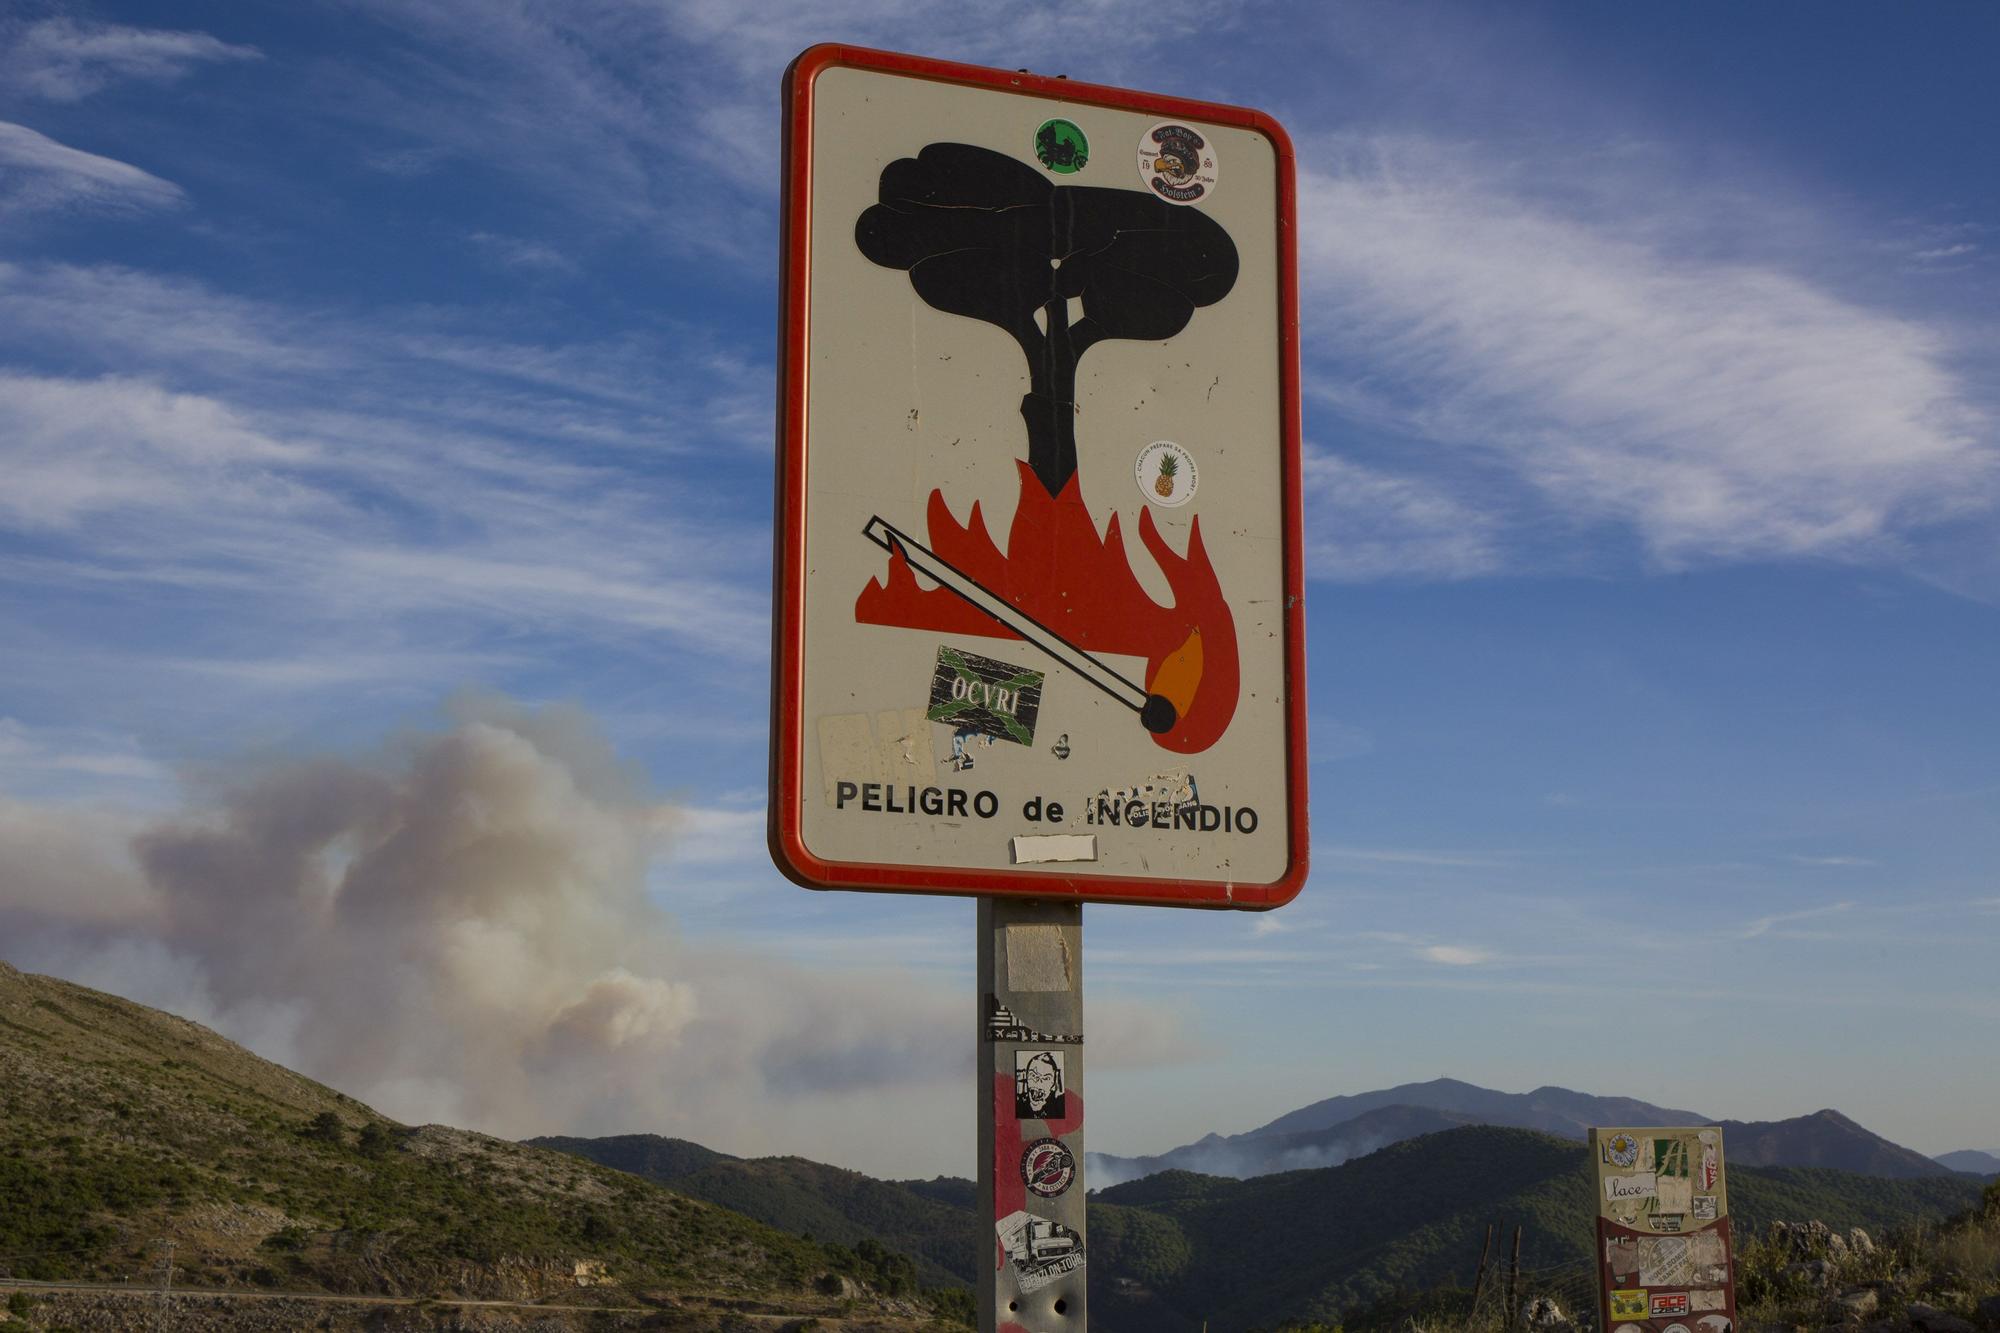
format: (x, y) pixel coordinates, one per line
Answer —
(1039, 622)
(1664, 1255)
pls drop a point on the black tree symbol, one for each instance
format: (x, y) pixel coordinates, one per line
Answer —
(989, 237)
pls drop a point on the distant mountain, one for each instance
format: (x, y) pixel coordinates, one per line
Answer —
(1332, 1131)
(1824, 1138)
(929, 1221)
(1971, 1160)
(1259, 1154)
(954, 1190)
(1175, 1250)
(1552, 1110)
(121, 1125)
(658, 1159)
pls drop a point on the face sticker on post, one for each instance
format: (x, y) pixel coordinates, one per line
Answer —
(1038, 1086)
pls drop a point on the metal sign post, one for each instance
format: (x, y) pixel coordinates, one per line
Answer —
(1038, 620)
(1030, 1094)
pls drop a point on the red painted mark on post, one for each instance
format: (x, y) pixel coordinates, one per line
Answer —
(1010, 1192)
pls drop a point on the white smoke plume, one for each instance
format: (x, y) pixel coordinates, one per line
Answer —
(457, 929)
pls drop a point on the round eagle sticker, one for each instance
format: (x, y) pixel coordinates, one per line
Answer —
(1166, 474)
(1178, 163)
(1047, 1168)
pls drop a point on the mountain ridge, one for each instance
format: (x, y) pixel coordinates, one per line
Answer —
(1971, 1161)
(1314, 1135)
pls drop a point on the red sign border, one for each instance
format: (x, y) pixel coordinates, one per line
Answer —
(786, 837)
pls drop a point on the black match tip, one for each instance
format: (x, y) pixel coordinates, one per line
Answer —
(1159, 714)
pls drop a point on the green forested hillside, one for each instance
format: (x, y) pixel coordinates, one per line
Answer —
(661, 1160)
(1176, 1249)
(122, 1127)
(931, 1222)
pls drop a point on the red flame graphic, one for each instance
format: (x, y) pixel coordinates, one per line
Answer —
(1058, 570)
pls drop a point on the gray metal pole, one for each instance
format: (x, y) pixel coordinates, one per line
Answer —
(1032, 1272)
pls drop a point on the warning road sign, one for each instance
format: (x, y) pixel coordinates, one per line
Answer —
(1039, 623)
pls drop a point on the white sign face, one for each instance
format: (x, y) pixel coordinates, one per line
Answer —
(1038, 620)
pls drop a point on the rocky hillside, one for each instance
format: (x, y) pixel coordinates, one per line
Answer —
(123, 1129)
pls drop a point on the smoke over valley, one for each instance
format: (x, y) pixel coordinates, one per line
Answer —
(457, 928)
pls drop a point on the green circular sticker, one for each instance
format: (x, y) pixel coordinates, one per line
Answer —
(1061, 147)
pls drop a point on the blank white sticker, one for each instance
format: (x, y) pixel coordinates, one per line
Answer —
(1055, 847)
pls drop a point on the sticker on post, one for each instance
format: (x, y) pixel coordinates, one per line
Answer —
(1038, 1086)
(1178, 163)
(1621, 1150)
(1621, 1256)
(1668, 1304)
(1041, 1250)
(1710, 1257)
(1709, 1300)
(1705, 1208)
(1047, 1168)
(985, 697)
(1713, 1323)
(1166, 474)
(1001, 1025)
(1644, 1185)
(1628, 1305)
(1663, 1261)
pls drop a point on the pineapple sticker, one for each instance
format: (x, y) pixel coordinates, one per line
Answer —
(1166, 474)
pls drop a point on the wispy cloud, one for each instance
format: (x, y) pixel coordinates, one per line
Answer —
(30, 756)
(1455, 955)
(515, 252)
(1364, 524)
(1833, 862)
(1768, 925)
(75, 448)
(39, 175)
(425, 484)
(609, 107)
(63, 60)
(1412, 856)
(1724, 408)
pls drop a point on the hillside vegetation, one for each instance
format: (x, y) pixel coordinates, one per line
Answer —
(1380, 1238)
(930, 1221)
(1175, 1249)
(122, 1127)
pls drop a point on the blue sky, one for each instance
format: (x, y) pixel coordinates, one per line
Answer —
(386, 413)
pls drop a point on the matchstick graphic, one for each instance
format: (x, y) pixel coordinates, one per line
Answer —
(1157, 713)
